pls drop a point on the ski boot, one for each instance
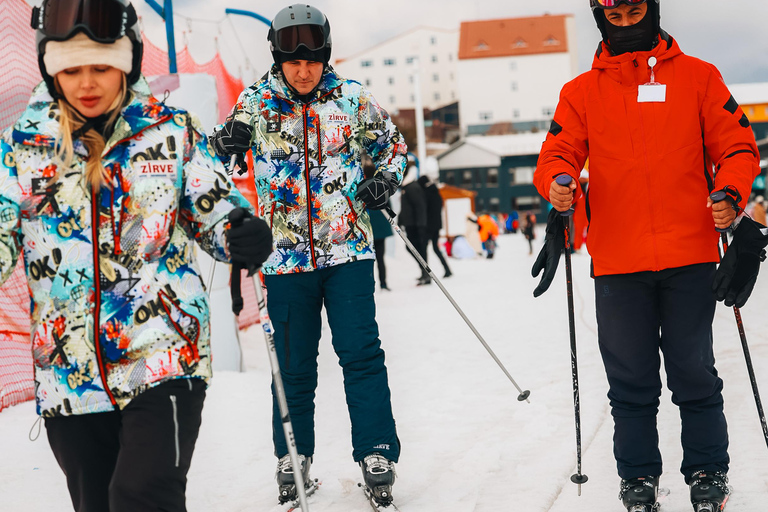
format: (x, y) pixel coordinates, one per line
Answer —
(640, 494)
(709, 491)
(284, 476)
(379, 476)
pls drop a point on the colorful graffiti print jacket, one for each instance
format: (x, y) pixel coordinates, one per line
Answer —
(138, 288)
(307, 167)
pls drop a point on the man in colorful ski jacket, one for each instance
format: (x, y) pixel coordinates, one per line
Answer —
(662, 132)
(307, 129)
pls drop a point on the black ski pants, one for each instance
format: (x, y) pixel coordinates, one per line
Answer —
(433, 237)
(379, 246)
(638, 316)
(418, 237)
(135, 459)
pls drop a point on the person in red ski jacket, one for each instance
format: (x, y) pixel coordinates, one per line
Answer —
(662, 132)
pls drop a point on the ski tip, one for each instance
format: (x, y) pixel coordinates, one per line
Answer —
(579, 478)
(524, 396)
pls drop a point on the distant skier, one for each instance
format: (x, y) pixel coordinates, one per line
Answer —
(434, 220)
(308, 128)
(413, 218)
(529, 230)
(120, 316)
(650, 119)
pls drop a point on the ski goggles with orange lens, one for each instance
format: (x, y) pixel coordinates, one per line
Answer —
(104, 21)
(612, 4)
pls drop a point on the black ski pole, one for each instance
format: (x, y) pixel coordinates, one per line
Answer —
(716, 198)
(277, 381)
(578, 478)
(390, 216)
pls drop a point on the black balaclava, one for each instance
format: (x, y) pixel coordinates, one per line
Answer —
(640, 37)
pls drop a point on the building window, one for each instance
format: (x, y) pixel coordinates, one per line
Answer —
(435, 77)
(479, 204)
(511, 173)
(453, 95)
(523, 175)
(551, 41)
(434, 58)
(392, 100)
(409, 60)
(413, 98)
(486, 116)
(389, 62)
(451, 76)
(433, 40)
(450, 57)
(466, 178)
(516, 113)
(482, 46)
(493, 204)
(548, 112)
(410, 79)
(449, 178)
(366, 63)
(437, 96)
(391, 80)
(520, 43)
(513, 66)
(526, 203)
(367, 82)
(514, 86)
(492, 178)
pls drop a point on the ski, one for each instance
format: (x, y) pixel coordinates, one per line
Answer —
(375, 505)
(314, 485)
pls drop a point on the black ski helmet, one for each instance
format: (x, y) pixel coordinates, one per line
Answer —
(300, 31)
(599, 14)
(103, 21)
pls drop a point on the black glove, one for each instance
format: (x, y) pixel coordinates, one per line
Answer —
(375, 192)
(234, 138)
(250, 239)
(549, 257)
(737, 273)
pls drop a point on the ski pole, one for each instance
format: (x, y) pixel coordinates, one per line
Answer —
(578, 478)
(390, 216)
(716, 198)
(277, 381)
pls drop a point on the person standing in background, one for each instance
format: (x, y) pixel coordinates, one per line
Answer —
(528, 230)
(413, 218)
(382, 229)
(434, 220)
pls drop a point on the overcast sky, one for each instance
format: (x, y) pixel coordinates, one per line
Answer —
(732, 34)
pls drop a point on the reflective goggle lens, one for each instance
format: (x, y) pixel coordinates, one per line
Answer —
(610, 4)
(290, 38)
(103, 19)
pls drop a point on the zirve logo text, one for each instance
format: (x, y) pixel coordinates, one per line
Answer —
(156, 167)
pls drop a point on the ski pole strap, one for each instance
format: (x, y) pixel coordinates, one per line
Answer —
(716, 197)
(565, 180)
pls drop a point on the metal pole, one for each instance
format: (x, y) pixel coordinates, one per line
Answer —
(390, 216)
(166, 13)
(421, 144)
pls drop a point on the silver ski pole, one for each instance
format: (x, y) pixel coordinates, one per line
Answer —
(578, 478)
(282, 403)
(390, 216)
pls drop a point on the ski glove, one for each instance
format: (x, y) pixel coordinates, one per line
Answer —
(738, 270)
(549, 257)
(375, 192)
(250, 240)
(234, 138)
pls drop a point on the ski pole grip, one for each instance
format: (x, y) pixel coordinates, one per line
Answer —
(717, 197)
(565, 180)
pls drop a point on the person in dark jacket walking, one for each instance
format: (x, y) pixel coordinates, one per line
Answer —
(434, 219)
(381, 227)
(528, 230)
(413, 218)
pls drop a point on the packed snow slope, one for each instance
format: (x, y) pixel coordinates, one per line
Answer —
(467, 443)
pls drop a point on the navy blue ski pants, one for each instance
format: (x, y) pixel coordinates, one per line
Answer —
(670, 311)
(294, 302)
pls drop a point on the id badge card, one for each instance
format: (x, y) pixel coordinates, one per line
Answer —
(652, 93)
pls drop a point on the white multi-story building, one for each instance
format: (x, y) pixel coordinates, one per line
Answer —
(387, 68)
(512, 70)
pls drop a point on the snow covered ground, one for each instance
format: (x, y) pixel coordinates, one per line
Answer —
(468, 444)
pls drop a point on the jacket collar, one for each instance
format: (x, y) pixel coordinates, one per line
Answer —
(39, 125)
(624, 68)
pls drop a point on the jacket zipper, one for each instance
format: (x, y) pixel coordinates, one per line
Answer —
(652, 222)
(97, 298)
(309, 188)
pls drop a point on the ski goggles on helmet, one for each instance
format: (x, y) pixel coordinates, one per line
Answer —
(104, 21)
(289, 39)
(612, 4)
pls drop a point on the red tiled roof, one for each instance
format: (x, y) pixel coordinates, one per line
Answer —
(513, 36)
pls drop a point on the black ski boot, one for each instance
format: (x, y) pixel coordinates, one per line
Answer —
(640, 494)
(284, 476)
(379, 476)
(709, 491)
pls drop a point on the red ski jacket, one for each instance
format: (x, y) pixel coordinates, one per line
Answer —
(650, 171)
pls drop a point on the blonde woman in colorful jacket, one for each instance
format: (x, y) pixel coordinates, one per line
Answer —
(103, 191)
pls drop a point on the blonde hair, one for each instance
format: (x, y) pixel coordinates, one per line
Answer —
(70, 120)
